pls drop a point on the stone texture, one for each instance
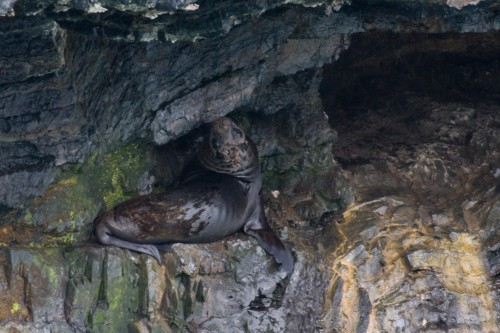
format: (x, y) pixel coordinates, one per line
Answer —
(68, 93)
(418, 167)
(377, 127)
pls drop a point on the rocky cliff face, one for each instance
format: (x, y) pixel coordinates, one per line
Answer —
(377, 123)
(423, 161)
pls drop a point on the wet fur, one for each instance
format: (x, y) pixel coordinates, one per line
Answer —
(208, 207)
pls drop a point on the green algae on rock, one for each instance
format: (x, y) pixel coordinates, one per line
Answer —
(405, 235)
(105, 290)
(63, 214)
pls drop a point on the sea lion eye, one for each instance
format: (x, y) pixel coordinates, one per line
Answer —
(237, 133)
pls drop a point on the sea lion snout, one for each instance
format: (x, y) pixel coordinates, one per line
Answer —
(224, 132)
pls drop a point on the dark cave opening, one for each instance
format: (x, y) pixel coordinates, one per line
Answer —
(383, 91)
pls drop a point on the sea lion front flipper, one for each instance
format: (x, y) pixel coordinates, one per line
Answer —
(270, 242)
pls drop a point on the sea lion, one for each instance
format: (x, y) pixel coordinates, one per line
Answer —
(208, 206)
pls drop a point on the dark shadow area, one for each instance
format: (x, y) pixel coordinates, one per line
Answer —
(379, 95)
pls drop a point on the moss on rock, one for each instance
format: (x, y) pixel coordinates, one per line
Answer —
(105, 292)
(63, 215)
(114, 176)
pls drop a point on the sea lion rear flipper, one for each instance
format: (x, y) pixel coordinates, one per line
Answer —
(106, 238)
(270, 242)
(150, 249)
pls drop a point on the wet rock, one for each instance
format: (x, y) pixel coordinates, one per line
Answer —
(86, 51)
(38, 50)
(104, 291)
(19, 186)
(34, 296)
(63, 214)
(377, 129)
(422, 260)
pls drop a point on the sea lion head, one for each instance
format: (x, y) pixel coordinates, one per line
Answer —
(227, 149)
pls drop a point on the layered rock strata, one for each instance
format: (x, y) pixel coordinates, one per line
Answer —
(377, 125)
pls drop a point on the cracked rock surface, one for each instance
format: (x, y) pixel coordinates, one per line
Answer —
(378, 129)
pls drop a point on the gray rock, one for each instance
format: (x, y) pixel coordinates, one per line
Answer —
(377, 127)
